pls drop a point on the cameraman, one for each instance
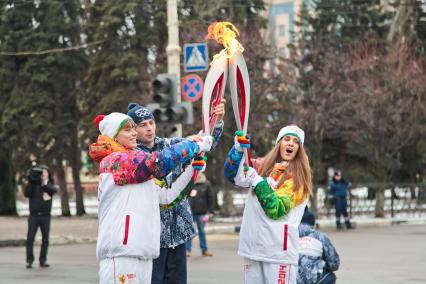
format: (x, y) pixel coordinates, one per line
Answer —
(39, 191)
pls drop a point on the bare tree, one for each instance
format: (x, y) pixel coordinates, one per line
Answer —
(314, 96)
(388, 96)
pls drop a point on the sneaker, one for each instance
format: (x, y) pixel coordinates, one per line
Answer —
(29, 265)
(207, 253)
(188, 254)
(44, 264)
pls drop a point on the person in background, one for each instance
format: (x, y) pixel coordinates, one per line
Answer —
(202, 206)
(39, 191)
(338, 191)
(318, 258)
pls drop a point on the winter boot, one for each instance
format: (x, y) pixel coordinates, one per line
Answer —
(349, 225)
(339, 226)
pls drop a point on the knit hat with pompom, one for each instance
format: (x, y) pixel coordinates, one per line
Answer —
(109, 125)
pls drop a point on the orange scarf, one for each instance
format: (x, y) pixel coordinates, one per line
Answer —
(278, 171)
(103, 147)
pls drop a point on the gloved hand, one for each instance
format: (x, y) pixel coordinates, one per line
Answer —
(199, 164)
(206, 143)
(247, 178)
(241, 142)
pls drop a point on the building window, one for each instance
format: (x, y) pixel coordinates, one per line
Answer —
(281, 30)
(281, 51)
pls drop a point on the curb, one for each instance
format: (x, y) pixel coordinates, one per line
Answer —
(54, 240)
(374, 223)
(222, 229)
(230, 226)
(13, 243)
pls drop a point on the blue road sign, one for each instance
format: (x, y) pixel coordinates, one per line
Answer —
(196, 57)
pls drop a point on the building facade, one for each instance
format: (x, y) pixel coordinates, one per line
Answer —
(282, 30)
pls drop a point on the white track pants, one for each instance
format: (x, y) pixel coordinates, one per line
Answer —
(129, 270)
(259, 272)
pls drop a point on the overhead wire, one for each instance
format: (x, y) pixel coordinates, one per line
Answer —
(52, 50)
(117, 3)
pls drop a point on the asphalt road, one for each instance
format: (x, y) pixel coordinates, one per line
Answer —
(385, 255)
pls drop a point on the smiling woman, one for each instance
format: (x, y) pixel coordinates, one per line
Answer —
(127, 135)
(130, 196)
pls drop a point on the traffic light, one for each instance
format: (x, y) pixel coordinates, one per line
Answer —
(166, 109)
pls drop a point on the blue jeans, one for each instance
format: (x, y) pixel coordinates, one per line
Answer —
(201, 233)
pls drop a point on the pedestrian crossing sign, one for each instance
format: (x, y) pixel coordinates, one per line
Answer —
(196, 57)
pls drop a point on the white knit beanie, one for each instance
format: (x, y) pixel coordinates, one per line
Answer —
(292, 130)
(109, 125)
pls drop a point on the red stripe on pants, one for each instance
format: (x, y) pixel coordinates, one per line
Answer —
(113, 261)
(285, 236)
(126, 230)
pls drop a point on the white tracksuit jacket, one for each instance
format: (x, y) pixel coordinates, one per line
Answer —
(129, 216)
(264, 239)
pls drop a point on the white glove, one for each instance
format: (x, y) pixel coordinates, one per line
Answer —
(249, 178)
(205, 144)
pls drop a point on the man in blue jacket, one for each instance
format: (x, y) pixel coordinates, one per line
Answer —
(338, 190)
(318, 259)
(176, 223)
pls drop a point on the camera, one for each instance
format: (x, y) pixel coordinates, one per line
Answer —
(34, 174)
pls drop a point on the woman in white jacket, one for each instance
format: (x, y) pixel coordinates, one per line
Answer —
(129, 197)
(280, 184)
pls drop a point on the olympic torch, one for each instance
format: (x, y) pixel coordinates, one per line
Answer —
(228, 62)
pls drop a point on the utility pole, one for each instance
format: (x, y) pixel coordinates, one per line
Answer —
(173, 50)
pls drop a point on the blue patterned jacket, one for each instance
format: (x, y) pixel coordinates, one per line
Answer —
(176, 222)
(311, 268)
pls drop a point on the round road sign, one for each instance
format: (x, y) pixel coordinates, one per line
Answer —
(192, 88)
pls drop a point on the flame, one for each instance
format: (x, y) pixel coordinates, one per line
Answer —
(225, 33)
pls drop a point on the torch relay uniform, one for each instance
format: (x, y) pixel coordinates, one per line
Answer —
(269, 238)
(129, 197)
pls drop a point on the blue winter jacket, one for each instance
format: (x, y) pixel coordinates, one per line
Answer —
(176, 222)
(311, 268)
(338, 188)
